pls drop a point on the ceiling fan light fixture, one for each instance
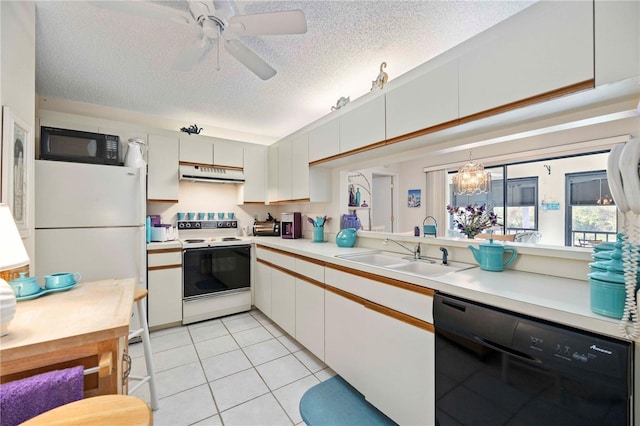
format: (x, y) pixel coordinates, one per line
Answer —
(211, 28)
(471, 178)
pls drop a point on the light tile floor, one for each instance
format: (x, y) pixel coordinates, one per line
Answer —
(237, 370)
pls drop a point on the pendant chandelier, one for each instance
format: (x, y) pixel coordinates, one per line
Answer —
(471, 178)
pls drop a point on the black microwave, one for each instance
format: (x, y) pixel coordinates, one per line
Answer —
(79, 147)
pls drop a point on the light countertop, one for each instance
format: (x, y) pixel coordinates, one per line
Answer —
(562, 300)
(164, 245)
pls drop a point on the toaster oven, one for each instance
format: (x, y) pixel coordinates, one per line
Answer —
(267, 228)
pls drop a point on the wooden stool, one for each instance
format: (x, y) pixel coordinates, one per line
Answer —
(99, 410)
(143, 332)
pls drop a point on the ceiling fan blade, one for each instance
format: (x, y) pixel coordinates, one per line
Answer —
(147, 10)
(249, 59)
(224, 9)
(271, 23)
(191, 55)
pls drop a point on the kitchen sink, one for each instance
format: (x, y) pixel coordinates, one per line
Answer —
(375, 258)
(402, 263)
(422, 268)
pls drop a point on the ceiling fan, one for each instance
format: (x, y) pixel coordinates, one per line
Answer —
(216, 23)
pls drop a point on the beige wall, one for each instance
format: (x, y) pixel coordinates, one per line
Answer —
(17, 83)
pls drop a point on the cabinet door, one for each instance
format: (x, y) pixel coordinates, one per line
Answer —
(401, 365)
(324, 140)
(196, 149)
(310, 316)
(345, 329)
(283, 301)
(262, 288)
(531, 53)
(163, 178)
(254, 189)
(424, 102)
(300, 167)
(228, 153)
(165, 296)
(285, 174)
(272, 170)
(617, 27)
(363, 125)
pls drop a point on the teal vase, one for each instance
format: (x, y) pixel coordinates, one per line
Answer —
(318, 234)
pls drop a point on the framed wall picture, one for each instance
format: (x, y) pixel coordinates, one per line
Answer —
(16, 144)
(413, 199)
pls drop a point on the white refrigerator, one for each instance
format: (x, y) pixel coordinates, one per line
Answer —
(90, 219)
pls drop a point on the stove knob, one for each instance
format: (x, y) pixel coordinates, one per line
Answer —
(187, 225)
(197, 224)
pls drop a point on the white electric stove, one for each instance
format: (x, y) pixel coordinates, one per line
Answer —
(216, 269)
(210, 233)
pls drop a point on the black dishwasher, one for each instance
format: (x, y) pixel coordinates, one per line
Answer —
(496, 367)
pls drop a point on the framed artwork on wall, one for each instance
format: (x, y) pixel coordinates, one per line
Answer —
(413, 199)
(16, 150)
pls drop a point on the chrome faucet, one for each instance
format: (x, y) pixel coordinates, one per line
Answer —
(415, 252)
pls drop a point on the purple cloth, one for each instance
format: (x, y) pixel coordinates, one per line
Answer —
(23, 399)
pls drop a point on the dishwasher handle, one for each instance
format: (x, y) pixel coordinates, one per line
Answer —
(507, 350)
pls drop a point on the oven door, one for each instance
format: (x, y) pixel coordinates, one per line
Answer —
(213, 271)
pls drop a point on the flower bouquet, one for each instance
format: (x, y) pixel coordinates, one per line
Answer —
(471, 220)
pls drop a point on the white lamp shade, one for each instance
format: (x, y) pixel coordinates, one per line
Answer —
(12, 251)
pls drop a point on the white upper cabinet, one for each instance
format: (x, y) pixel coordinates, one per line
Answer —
(324, 140)
(285, 175)
(424, 102)
(548, 47)
(363, 125)
(272, 171)
(228, 153)
(162, 168)
(617, 40)
(211, 151)
(300, 167)
(254, 189)
(196, 149)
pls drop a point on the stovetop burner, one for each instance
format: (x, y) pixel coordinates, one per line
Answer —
(230, 239)
(194, 240)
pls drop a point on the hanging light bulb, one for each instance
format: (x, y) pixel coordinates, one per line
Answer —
(471, 178)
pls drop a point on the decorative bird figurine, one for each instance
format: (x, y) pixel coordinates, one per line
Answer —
(192, 129)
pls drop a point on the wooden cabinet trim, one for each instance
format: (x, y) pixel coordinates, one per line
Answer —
(161, 267)
(392, 313)
(399, 316)
(384, 280)
(543, 97)
(296, 256)
(164, 250)
(156, 200)
(292, 273)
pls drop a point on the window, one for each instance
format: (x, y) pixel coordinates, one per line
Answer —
(591, 213)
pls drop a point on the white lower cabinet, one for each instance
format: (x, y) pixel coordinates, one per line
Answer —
(164, 281)
(283, 300)
(400, 364)
(310, 316)
(344, 338)
(262, 288)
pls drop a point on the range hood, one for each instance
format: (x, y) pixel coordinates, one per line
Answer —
(211, 174)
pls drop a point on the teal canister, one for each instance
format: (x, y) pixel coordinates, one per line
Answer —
(148, 229)
(346, 237)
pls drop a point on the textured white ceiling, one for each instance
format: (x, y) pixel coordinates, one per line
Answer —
(100, 56)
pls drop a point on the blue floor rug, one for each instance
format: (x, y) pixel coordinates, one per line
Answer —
(335, 402)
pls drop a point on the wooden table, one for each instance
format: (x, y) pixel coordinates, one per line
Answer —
(82, 326)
